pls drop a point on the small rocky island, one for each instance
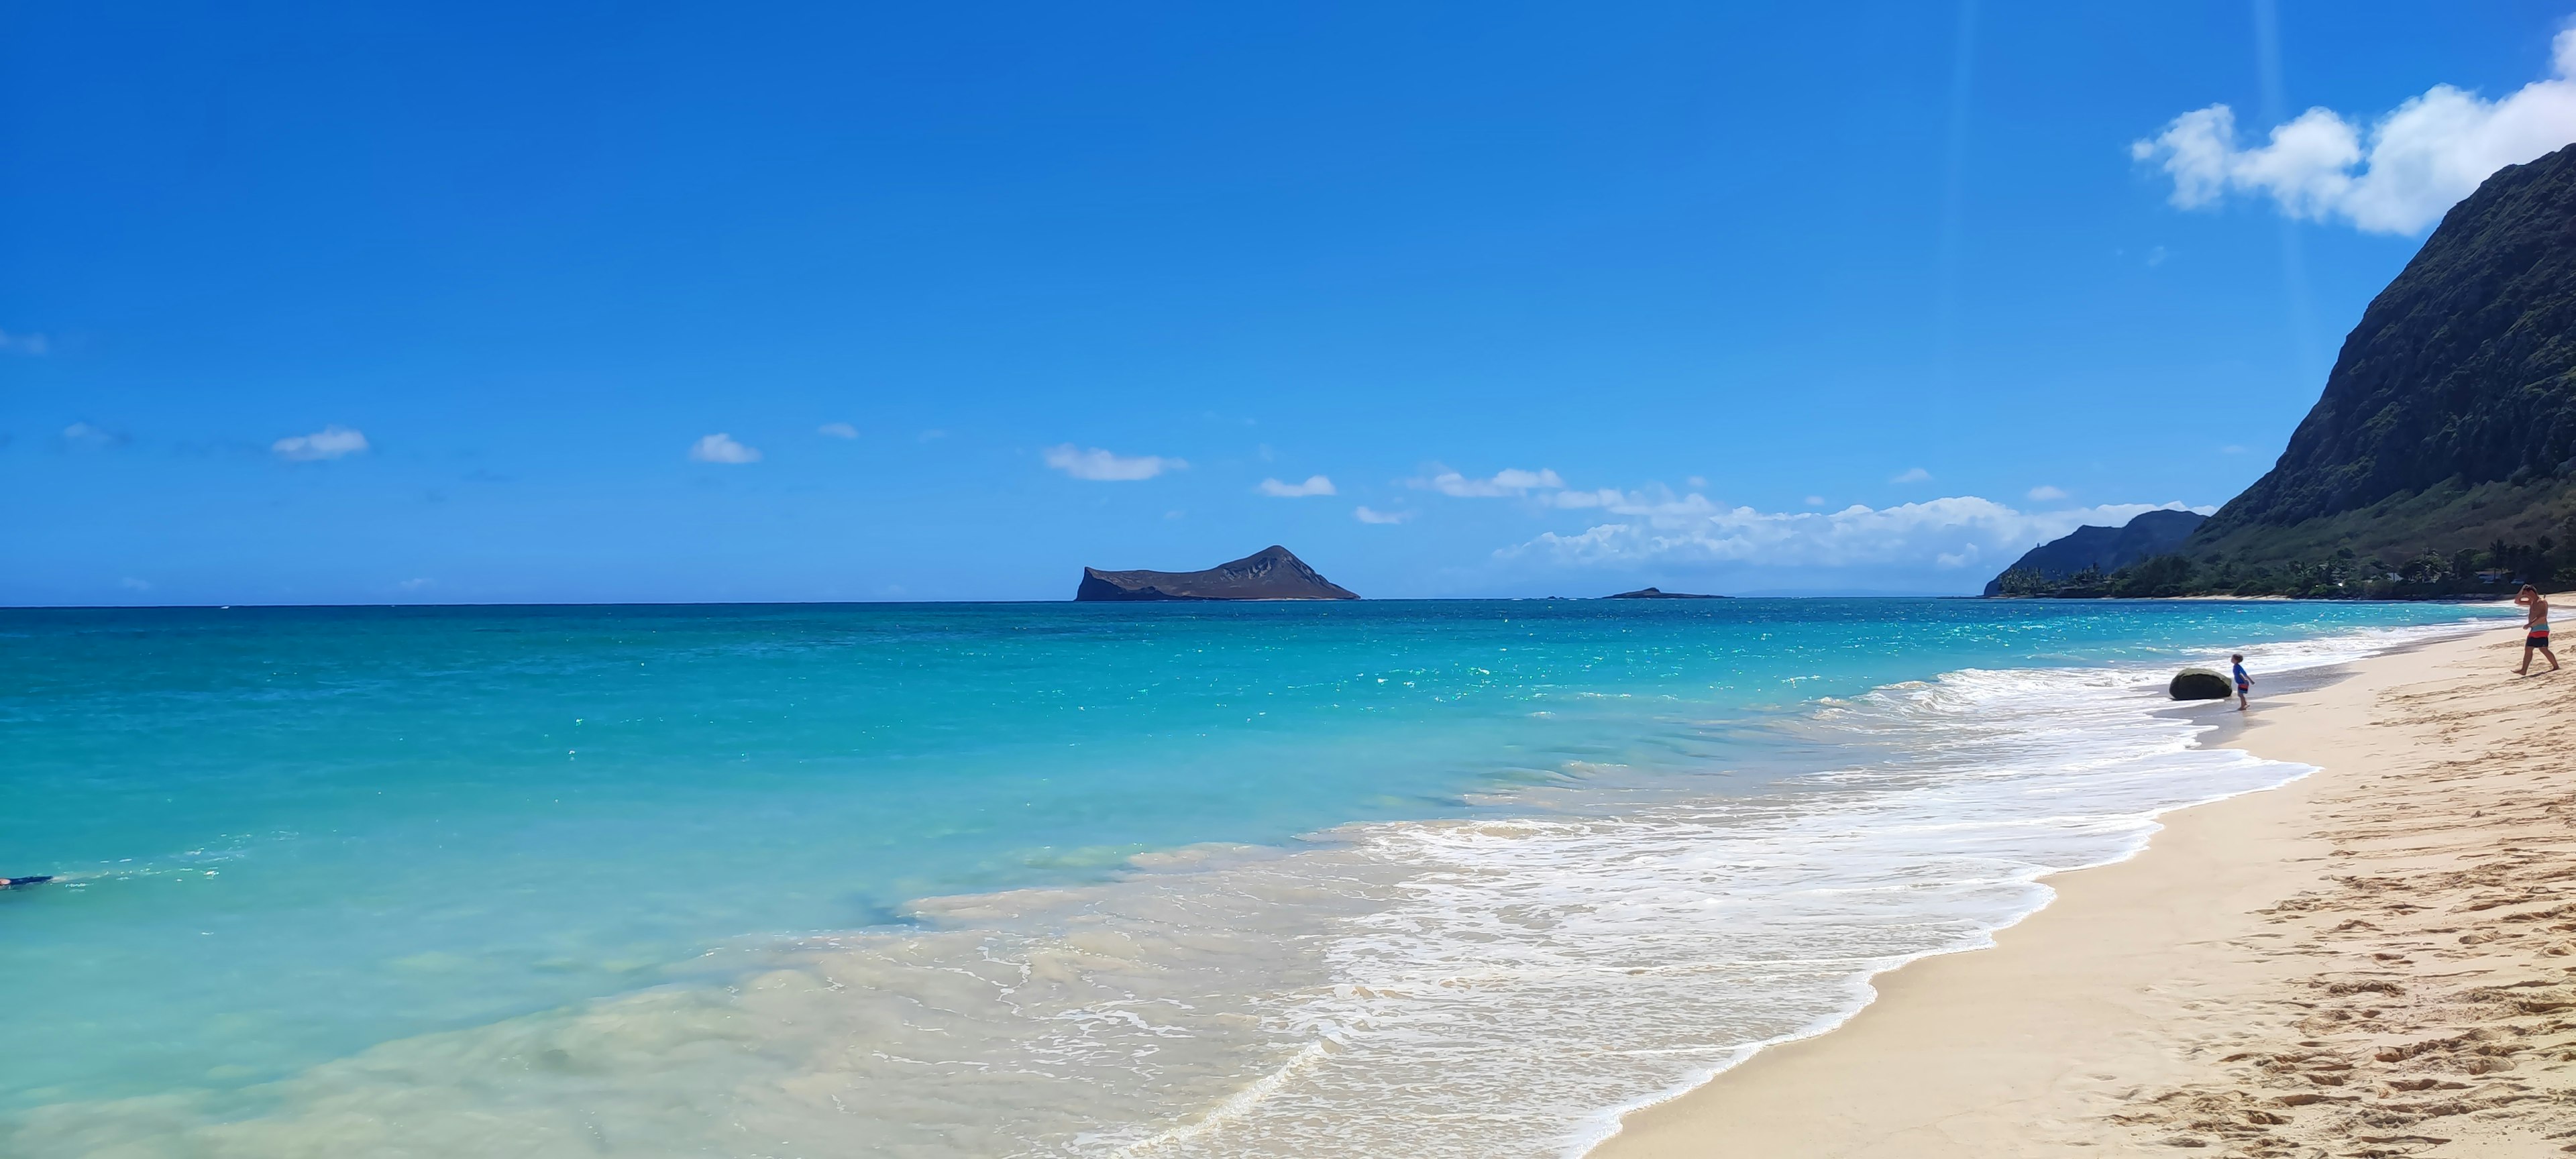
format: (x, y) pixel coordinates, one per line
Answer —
(1272, 573)
(1660, 594)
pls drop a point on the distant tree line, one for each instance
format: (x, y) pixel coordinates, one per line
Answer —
(2498, 570)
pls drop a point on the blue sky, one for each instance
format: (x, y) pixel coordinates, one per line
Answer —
(584, 302)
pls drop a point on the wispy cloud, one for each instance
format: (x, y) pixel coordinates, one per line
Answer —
(1102, 466)
(2397, 175)
(1314, 485)
(92, 437)
(2046, 494)
(1945, 533)
(721, 448)
(1507, 482)
(1913, 475)
(23, 342)
(132, 584)
(837, 431)
(1602, 497)
(1366, 514)
(331, 442)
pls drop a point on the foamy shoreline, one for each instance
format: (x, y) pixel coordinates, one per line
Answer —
(2230, 987)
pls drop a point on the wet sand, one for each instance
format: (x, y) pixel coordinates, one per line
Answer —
(2376, 960)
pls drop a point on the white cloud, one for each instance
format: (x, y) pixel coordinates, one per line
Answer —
(331, 442)
(21, 342)
(1314, 485)
(2413, 163)
(1100, 465)
(1913, 475)
(1696, 481)
(1367, 515)
(721, 448)
(1947, 533)
(2047, 494)
(837, 431)
(1509, 481)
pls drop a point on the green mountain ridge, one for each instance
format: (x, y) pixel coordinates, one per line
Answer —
(2096, 549)
(2440, 459)
(2449, 420)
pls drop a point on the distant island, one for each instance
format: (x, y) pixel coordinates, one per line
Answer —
(1272, 573)
(1660, 594)
(2440, 459)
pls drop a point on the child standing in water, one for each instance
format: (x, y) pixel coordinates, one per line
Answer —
(2244, 683)
(2535, 631)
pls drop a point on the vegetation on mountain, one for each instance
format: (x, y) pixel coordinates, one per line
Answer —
(2440, 459)
(2495, 570)
(2100, 550)
(2449, 420)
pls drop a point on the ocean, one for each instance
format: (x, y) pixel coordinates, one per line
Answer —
(1454, 878)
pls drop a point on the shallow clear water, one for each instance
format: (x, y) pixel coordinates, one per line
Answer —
(1222, 879)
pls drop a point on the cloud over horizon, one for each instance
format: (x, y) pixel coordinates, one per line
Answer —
(2413, 163)
(1102, 466)
(1314, 485)
(721, 448)
(1365, 514)
(1946, 533)
(331, 442)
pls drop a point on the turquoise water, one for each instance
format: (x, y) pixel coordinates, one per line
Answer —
(289, 835)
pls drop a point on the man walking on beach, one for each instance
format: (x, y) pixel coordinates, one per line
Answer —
(2244, 683)
(2535, 631)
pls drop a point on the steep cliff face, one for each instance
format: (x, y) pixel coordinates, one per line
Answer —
(2105, 549)
(1272, 573)
(2459, 383)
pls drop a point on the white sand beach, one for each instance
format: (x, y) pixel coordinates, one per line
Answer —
(2376, 960)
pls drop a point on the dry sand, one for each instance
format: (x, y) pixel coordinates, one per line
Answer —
(2377, 960)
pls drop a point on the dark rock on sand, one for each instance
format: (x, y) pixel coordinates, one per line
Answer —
(1660, 594)
(2200, 684)
(1272, 573)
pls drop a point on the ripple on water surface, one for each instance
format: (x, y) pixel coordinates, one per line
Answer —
(1575, 936)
